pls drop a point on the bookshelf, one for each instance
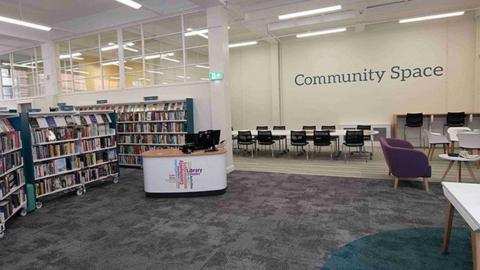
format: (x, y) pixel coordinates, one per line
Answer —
(98, 147)
(69, 150)
(12, 179)
(149, 125)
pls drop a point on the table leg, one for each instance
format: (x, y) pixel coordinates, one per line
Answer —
(459, 179)
(448, 169)
(448, 228)
(476, 250)
(469, 168)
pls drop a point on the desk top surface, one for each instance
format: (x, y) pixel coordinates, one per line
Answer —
(465, 197)
(159, 153)
(447, 157)
(338, 132)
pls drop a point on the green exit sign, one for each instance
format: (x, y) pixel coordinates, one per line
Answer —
(215, 75)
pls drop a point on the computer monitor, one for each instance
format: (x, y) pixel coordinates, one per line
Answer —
(208, 139)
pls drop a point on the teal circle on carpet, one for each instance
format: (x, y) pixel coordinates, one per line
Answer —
(418, 248)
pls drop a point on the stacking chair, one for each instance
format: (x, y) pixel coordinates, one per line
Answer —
(454, 119)
(355, 139)
(336, 139)
(265, 138)
(434, 139)
(280, 138)
(413, 120)
(309, 129)
(299, 139)
(367, 137)
(245, 138)
(262, 127)
(469, 141)
(322, 138)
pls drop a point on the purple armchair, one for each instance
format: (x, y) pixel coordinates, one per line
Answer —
(404, 161)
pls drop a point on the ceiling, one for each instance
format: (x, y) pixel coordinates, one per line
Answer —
(249, 19)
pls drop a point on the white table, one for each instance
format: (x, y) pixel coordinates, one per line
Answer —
(459, 160)
(171, 173)
(465, 198)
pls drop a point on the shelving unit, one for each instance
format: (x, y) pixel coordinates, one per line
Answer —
(98, 147)
(69, 150)
(12, 179)
(149, 125)
(56, 153)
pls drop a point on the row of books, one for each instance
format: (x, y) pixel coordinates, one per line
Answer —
(56, 166)
(50, 185)
(97, 130)
(5, 125)
(59, 134)
(99, 157)
(152, 127)
(51, 121)
(95, 173)
(11, 181)
(130, 160)
(10, 160)
(13, 202)
(10, 140)
(138, 149)
(53, 150)
(152, 116)
(97, 143)
(153, 139)
(171, 106)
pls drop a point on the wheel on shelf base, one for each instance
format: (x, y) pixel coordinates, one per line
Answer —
(23, 212)
(80, 192)
(38, 204)
(115, 180)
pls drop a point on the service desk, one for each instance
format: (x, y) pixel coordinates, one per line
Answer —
(171, 173)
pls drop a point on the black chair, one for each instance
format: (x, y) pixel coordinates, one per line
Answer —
(234, 138)
(299, 139)
(355, 139)
(265, 138)
(334, 138)
(455, 119)
(329, 128)
(413, 120)
(322, 138)
(262, 127)
(280, 138)
(245, 138)
(309, 128)
(367, 137)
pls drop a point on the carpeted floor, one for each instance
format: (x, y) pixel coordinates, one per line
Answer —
(264, 221)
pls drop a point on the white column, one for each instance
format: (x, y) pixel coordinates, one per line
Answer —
(219, 90)
(477, 62)
(275, 79)
(50, 73)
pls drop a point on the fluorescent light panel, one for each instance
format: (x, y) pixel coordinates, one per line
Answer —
(309, 12)
(202, 66)
(130, 3)
(432, 17)
(323, 32)
(242, 44)
(24, 23)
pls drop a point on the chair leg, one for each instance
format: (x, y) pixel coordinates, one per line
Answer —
(331, 151)
(271, 148)
(395, 185)
(425, 181)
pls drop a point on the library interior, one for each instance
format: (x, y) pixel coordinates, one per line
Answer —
(240, 134)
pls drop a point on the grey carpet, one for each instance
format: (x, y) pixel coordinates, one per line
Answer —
(264, 221)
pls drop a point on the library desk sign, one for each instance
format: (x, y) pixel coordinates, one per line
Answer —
(394, 73)
(170, 173)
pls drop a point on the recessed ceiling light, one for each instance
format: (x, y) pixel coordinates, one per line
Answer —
(323, 32)
(130, 3)
(432, 17)
(242, 44)
(24, 23)
(309, 12)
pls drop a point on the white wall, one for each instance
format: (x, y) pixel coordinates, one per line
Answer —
(448, 43)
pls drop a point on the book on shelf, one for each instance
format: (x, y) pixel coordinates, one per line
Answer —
(9, 141)
(99, 119)
(13, 202)
(6, 126)
(56, 166)
(51, 121)
(60, 165)
(93, 119)
(69, 120)
(42, 122)
(60, 121)
(50, 185)
(11, 181)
